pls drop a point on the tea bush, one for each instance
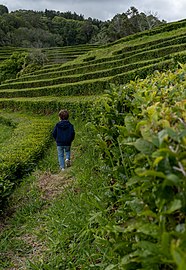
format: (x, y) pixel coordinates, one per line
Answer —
(18, 155)
(79, 106)
(141, 141)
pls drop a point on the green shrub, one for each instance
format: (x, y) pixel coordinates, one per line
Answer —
(10, 67)
(78, 106)
(140, 133)
(89, 87)
(19, 154)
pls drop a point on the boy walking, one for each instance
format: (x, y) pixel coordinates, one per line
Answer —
(63, 134)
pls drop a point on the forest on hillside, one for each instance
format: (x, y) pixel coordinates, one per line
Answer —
(49, 28)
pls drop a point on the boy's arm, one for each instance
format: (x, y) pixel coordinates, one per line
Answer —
(54, 133)
(73, 133)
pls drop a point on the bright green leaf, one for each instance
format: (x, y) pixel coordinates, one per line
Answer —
(144, 146)
(175, 205)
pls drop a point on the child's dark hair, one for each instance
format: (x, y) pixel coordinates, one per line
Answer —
(64, 115)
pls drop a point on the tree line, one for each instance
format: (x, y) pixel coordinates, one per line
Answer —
(49, 28)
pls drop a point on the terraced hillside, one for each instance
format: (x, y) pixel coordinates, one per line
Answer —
(118, 63)
(64, 54)
(53, 55)
(86, 73)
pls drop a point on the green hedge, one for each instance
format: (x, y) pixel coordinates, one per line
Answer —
(92, 67)
(78, 105)
(158, 43)
(89, 87)
(140, 137)
(164, 52)
(155, 53)
(71, 49)
(143, 72)
(144, 54)
(76, 78)
(19, 154)
(131, 57)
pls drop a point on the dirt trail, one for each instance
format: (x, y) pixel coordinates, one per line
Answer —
(50, 185)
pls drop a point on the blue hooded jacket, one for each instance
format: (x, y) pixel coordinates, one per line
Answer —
(63, 133)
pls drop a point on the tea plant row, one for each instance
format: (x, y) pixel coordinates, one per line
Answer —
(79, 106)
(19, 154)
(140, 131)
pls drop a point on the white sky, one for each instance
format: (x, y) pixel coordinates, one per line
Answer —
(169, 10)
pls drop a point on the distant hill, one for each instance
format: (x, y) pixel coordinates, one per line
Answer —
(49, 28)
(89, 69)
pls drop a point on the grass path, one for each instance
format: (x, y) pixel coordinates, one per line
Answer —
(49, 187)
(19, 239)
(52, 185)
(22, 229)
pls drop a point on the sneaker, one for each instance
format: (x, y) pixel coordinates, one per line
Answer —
(62, 169)
(67, 162)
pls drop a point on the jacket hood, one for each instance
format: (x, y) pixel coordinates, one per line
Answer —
(63, 124)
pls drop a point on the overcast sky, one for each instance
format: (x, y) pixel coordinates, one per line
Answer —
(169, 10)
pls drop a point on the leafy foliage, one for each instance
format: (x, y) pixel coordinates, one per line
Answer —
(12, 66)
(141, 131)
(20, 63)
(3, 9)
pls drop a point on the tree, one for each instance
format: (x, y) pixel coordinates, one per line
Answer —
(28, 28)
(11, 66)
(119, 27)
(135, 19)
(142, 21)
(32, 62)
(3, 10)
(87, 30)
(102, 37)
(152, 20)
(22, 63)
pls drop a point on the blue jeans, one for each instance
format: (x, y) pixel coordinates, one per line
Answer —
(62, 150)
